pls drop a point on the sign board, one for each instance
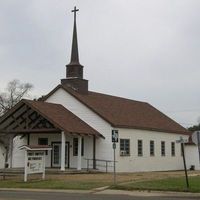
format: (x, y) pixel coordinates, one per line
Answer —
(196, 140)
(115, 135)
(182, 140)
(34, 159)
(115, 138)
(35, 162)
(196, 137)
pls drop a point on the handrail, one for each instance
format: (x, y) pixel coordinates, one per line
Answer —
(99, 160)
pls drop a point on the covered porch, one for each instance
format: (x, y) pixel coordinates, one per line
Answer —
(41, 123)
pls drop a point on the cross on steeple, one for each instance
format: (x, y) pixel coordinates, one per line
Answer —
(74, 70)
(74, 51)
(74, 11)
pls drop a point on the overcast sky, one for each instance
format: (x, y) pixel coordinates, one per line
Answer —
(146, 50)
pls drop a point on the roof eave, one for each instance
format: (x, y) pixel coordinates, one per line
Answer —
(107, 120)
(152, 129)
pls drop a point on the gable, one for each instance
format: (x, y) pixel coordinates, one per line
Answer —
(22, 119)
(79, 109)
(33, 116)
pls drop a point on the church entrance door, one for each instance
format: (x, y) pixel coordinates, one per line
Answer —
(56, 154)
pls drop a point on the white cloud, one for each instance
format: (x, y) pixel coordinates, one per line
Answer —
(146, 50)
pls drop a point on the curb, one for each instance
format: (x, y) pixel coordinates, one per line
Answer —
(146, 193)
(46, 190)
(105, 191)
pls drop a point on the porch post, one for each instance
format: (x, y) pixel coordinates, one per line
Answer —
(63, 138)
(11, 150)
(94, 152)
(79, 153)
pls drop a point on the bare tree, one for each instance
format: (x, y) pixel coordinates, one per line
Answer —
(12, 94)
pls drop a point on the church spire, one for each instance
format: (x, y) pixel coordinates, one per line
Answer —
(74, 52)
(74, 70)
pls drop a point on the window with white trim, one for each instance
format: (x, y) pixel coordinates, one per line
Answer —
(152, 148)
(173, 148)
(124, 147)
(140, 148)
(75, 147)
(162, 148)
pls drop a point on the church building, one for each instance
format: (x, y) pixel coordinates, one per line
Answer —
(78, 125)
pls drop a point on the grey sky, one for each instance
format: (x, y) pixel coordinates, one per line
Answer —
(146, 50)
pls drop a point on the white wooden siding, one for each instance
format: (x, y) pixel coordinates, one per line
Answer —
(104, 147)
(192, 156)
(132, 163)
(18, 155)
(2, 158)
(135, 163)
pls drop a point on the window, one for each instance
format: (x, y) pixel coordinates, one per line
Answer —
(162, 148)
(42, 141)
(152, 151)
(173, 148)
(75, 147)
(140, 149)
(124, 147)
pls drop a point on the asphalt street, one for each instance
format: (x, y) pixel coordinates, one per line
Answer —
(32, 195)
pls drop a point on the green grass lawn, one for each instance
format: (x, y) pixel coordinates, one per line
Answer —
(77, 183)
(169, 184)
(52, 184)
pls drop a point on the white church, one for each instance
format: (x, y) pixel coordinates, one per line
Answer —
(78, 123)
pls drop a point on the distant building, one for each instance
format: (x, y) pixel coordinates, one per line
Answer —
(77, 123)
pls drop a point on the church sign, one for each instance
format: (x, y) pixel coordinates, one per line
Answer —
(34, 160)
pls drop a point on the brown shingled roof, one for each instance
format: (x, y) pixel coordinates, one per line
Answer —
(126, 113)
(62, 118)
(58, 115)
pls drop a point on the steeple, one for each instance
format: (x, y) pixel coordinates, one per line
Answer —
(74, 53)
(74, 70)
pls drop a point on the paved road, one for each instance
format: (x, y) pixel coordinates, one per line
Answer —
(25, 195)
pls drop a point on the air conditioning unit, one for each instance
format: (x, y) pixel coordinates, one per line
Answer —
(123, 153)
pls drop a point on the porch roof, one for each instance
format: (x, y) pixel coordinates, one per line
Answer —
(36, 147)
(57, 117)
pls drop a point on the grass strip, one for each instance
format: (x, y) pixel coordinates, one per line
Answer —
(168, 184)
(52, 184)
